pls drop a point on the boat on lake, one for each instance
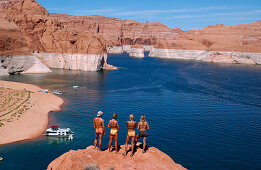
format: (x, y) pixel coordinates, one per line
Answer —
(59, 132)
(76, 87)
(57, 92)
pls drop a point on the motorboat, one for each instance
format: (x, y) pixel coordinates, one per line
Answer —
(76, 87)
(59, 132)
(57, 92)
(44, 91)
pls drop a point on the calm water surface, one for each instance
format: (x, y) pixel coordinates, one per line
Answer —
(205, 116)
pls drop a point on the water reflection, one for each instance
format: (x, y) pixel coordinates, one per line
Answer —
(58, 140)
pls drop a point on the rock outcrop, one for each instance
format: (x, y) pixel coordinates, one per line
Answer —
(153, 159)
(12, 41)
(208, 56)
(236, 38)
(90, 62)
(46, 34)
(28, 29)
(137, 51)
(23, 64)
(118, 32)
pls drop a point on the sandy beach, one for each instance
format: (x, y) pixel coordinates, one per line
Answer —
(24, 111)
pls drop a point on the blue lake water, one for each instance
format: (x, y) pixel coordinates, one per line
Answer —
(205, 116)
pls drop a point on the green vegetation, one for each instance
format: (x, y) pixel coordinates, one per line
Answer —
(13, 104)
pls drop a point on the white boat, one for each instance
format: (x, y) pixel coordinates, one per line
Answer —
(76, 87)
(57, 92)
(59, 132)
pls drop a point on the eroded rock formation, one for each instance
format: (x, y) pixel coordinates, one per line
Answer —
(137, 51)
(118, 32)
(153, 159)
(30, 30)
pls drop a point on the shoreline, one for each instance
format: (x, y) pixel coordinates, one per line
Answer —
(32, 122)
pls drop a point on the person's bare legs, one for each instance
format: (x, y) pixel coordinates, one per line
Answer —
(132, 145)
(100, 140)
(116, 142)
(95, 140)
(109, 147)
(136, 139)
(144, 144)
(126, 145)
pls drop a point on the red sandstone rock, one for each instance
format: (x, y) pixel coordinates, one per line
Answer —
(153, 159)
(60, 33)
(137, 46)
(118, 31)
(12, 41)
(46, 34)
(239, 38)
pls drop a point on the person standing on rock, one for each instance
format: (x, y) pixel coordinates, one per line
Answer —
(143, 126)
(131, 135)
(113, 124)
(98, 124)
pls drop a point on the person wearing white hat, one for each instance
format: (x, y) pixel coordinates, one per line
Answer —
(98, 124)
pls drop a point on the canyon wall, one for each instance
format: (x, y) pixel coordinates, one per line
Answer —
(118, 32)
(238, 44)
(27, 29)
(84, 62)
(208, 56)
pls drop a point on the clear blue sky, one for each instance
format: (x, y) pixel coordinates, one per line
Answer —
(184, 14)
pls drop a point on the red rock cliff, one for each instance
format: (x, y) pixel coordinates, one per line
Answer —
(47, 34)
(118, 31)
(12, 41)
(239, 38)
(61, 33)
(153, 159)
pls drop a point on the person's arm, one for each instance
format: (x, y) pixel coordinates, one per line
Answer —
(103, 127)
(138, 126)
(148, 126)
(135, 125)
(109, 125)
(94, 123)
(118, 125)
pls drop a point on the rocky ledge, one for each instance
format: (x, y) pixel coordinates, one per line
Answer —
(208, 56)
(137, 51)
(21, 64)
(88, 158)
(83, 62)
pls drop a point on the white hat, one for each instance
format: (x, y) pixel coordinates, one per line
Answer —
(100, 113)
